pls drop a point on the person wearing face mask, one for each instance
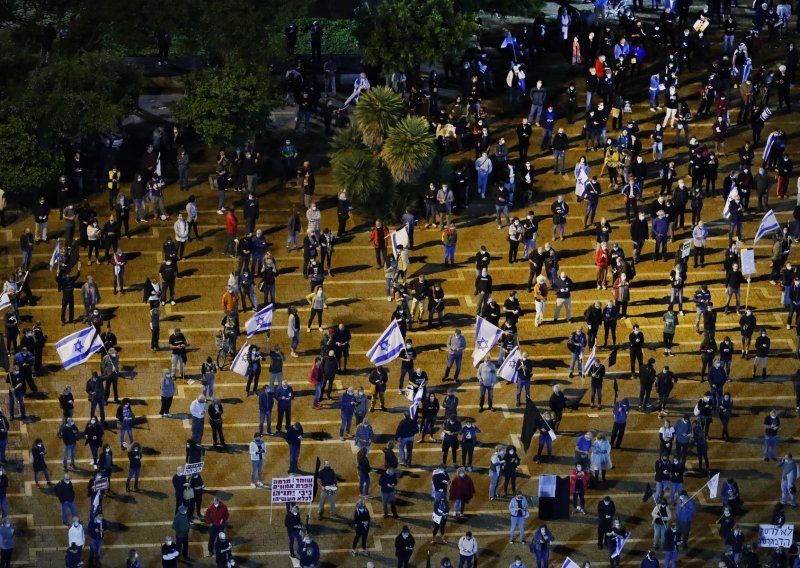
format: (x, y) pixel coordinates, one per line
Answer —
(169, 553)
(181, 524)
(578, 482)
(309, 554)
(747, 325)
(650, 560)
(524, 376)
(38, 453)
(65, 492)
(329, 487)
(404, 547)
(515, 234)
(294, 527)
(7, 542)
(615, 533)
(216, 517)
(518, 508)
(662, 516)
(762, 352)
(97, 533)
(361, 523)
(441, 509)
(483, 289)
(467, 551)
(541, 545)
(772, 425)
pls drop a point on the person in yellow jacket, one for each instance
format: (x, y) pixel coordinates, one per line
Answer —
(319, 301)
(113, 187)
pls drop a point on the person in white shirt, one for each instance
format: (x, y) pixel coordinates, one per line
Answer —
(258, 451)
(360, 85)
(76, 533)
(198, 411)
(467, 550)
(191, 216)
(181, 228)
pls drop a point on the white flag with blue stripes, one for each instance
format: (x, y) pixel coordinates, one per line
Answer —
(726, 209)
(240, 362)
(56, 253)
(768, 223)
(508, 370)
(590, 361)
(5, 301)
(569, 563)
(416, 401)
(619, 542)
(261, 321)
(486, 337)
(76, 348)
(388, 346)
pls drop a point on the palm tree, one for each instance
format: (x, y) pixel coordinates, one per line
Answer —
(408, 149)
(359, 173)
(348, 138)
(377, 110)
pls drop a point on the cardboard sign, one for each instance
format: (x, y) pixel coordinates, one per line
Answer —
(773, 536)
(686, 249)
(298, 489)
(101, 484)
(192, 468)
(748, 261)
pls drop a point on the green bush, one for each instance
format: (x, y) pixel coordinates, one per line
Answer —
(338, 37)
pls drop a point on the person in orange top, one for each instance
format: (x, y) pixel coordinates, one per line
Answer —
(378, 238)
(231, 229)
(602, 258)
(230, 301)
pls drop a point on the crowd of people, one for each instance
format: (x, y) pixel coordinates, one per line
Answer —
(655, 198)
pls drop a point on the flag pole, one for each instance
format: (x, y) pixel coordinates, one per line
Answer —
(747, 294)
(699, 490)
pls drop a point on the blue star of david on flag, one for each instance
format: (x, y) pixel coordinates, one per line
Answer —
(77, 347)
(260, 321)
(388, 345)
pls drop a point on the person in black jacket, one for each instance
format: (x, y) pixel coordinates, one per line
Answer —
(294, 528)
(605, 519)
(69, 434)
(647, 378)
(65, 492)
(66, 284)
(639, 233)
(361, 523)
(404, 546)
(135, 461)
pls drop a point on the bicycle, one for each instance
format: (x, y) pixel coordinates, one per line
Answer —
(226, 350)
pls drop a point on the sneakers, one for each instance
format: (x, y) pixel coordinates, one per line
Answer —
(220, 212)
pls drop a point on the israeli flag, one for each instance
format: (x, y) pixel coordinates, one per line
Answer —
(619, 542)
(590, 361)
(56, 253)
(261, 321)
(486, 337)
(399, 237)
(508, 370)
(713, 486)
(388, 346)
(768, 146)
(240, 363)
(726, 209)
(768, 223)
(5, 302)
(76, 348)
(569, 563)
(412, 410)
(510, 41)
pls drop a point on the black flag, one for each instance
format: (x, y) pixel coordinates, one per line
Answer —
(529, 424)
(612, 358)
(5, 361)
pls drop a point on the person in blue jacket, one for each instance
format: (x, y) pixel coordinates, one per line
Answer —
(620, 411)
(309, 554)
(266, 402)
(684, 514)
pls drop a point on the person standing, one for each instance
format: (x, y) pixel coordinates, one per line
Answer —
(216, 517)
(662, 516)
(65, 492)
(518, 508)
(215, 412)
(258, 452)
(198, 411)
(388, 484)
(168, 389)
(7, 542)
(762, 352)
(404, 547)
(620, 412)
(329, 487)
(541, 544)
(361, 523)
(456, 344)
(181, 525)
(772, 425)
(69, 434)
(284, 395)
(487, 377)
(467, 550)
(606, 511)
(378, 238)
(294, 438)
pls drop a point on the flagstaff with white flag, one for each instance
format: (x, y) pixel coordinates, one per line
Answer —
(416, 401)
(5, 301)
(240, 362)
(508, 370)
(260, 321)
(388, 346)
(78, 347)
(399, 237)
(486, 337)
(768, 223)
(55, 255)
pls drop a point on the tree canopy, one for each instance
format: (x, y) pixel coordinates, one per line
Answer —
(400, 35)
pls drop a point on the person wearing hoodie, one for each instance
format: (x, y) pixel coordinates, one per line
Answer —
(309, 553)
(404, 547)
(467, 550)
(541, 545)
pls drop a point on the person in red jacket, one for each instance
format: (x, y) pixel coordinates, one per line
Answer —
(378, 238)
(216, 517)
(601, 259)
(231, 229)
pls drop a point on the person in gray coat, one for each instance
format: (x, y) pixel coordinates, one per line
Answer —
(167, 393)
(487, 377)
(789, 472)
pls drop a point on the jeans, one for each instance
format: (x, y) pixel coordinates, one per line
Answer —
(347, 422)
(66, 506)
(454, 359)
(535, 114)
(295, 537)
(483, 179)
(294, 456)
(133, 473)
(517, 522)
(220, 199)
(493, 480)
(265, 417)
(18, 397)
(559, 157)
(502, 210)
(671, 559)
(676, 296)
(257, 468)
(198, 424)
(542, 558)
(675, 489)
(208, 388)
(733, 292)
(786, 491)
(95, 549)
(449, 255)
(770, 446)
(69, 452)
(523, 385)
(126, 429)
(661, 489)
(653, 99)
(406, 445)
(658, 535)
(727, 43)
(269, 294)
(484, 391)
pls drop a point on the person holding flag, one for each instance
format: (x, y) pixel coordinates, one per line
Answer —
(487, 377)
(768, 224)
(486, 337)
(388, 346)
(616, 539)
(576, 344)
